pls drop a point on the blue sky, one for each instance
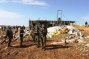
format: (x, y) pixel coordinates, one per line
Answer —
(18, 12)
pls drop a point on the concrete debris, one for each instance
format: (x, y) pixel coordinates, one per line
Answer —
(56, 30)
(27, 33)
(53, 29)
(71, 41)
(57, 43)
(48, 35)
(67, 41)
(3, 39)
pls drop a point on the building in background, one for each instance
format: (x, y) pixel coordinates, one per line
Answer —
(50, 23)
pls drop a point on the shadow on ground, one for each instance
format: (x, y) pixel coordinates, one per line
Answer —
(51, 47)
(24, 46)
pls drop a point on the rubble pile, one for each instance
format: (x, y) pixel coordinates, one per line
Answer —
(56, 30)
(75, 36)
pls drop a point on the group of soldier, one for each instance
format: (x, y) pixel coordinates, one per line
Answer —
(10, 36)
(38, 33)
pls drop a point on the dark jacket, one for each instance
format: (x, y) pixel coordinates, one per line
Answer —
(21, 33)
(9, 33)
(36, 30)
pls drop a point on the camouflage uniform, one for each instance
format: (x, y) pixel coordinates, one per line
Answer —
(43, 33)
(32, 34)
(36, 35)
(9, 34)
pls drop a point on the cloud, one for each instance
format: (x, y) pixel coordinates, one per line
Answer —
(7, 14)
(32, 2)
(3, 1)
(85, 17)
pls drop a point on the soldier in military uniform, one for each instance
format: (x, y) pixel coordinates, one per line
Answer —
(43, 37)
(32, 32)
(9, 34)
(39, 33)
(36, 34)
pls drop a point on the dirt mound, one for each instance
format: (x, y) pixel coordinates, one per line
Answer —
(82, 28)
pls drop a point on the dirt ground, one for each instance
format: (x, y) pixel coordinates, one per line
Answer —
(30, 50)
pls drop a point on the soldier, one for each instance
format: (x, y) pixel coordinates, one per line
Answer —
(39, 33)
(21, 36)
(32, 33)
(36, 34)
(23, 27)
(9, 34)
(43, 37)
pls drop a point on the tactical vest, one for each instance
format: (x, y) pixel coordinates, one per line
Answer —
(35, 29)
(44, 30)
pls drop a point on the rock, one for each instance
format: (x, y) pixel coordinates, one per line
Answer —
(81, 41)
(86, 50)
(74, 41)
(87, 45)
(83, 44)
(81, 49)
(8, 53)
(48, 58)
(57, 43)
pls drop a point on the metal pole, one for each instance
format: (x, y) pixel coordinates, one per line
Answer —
(58, 14)
(61, 14)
